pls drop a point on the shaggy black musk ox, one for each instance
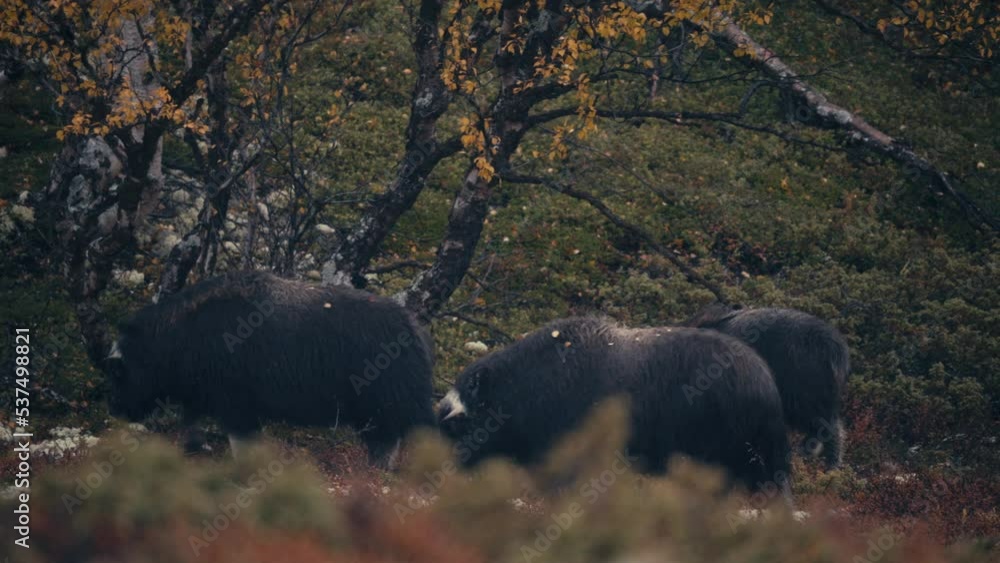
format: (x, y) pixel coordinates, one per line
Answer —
(810, 362)
(695, 392)
(251, 347)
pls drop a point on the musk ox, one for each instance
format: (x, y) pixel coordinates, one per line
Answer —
(247, 348)
(810, 362)
(690, 391)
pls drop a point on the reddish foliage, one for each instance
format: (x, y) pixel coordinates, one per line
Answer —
(866, 540)
(376, 535)
(380, 536)
(346, 466)
(241, 545)
(950, 508)
(864, 429)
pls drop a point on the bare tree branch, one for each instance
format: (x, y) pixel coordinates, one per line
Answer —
(185, 254)
(397, 266)
(429, 101)
(504, 125)
(731, 36)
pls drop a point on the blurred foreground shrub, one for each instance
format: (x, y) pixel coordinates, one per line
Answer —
(140, 500)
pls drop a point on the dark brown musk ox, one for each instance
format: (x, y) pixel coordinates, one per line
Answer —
(247, 348)
(810, 362)
(693, 392)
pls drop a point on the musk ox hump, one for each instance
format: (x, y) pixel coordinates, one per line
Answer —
(713, 315)
(638, 334)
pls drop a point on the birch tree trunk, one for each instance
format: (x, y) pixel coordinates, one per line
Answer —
(509, 119)
(828, 113)
(429, 101)
(100, 189)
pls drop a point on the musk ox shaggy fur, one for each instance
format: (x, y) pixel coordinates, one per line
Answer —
(534, 391)
(248, 348)
(810, 362)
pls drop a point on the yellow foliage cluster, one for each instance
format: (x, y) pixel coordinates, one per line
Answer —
(104, 57)
(474, 132)
(618, 19)
(459, 72)
(595, 36)
(933, 23)
(261, 71)
(115, 64)
(710, 16)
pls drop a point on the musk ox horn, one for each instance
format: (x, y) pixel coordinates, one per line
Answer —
(452, 405)
(115, 353)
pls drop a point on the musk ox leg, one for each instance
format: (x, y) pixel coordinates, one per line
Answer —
(779, 484)
(769, 472)
(810, 446)
(384, 454)
(826, 439)
(240, 443)
(193, 439)
(833, 446)
(787, 496)
(387, 428)
(241, 437)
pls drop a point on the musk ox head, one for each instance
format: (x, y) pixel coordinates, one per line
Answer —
(132, 392)
(464, 403)
(471, 414)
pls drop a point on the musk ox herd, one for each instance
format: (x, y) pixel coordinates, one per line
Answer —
(722, 388)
